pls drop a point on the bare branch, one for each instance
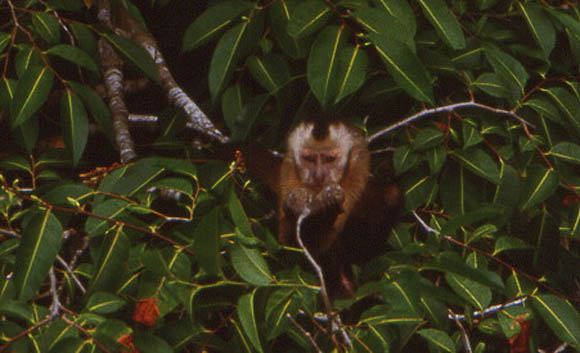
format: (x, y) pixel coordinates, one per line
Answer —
(446, 108)
(175, 94)
(112, 65)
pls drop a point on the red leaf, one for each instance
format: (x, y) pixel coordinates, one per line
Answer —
(520, 343)
(146, 311)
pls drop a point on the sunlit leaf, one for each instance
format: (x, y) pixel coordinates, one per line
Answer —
(247, 316)
(250, 265)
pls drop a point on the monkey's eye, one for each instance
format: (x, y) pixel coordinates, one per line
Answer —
(329, 159)
(309, 158)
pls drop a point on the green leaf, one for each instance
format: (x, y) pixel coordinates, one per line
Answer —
(212, 22)
(509, 190)
(478, 162)
(307, 18)
(85, 38)
(232, 46)
(487, 212)
(104, 303)
(444, 22)
(74, 55)
(471, 136)
(99, 110)
(111, 262)
(428, 138)
(568, 104)
(419, 191)
(448, 262)
(233, 101)
(382, 315)
(504, 243)
(404, 159)
(4, 40)
(271, 71)
(75, 124)
(250, 265)
(439, 339)
(492, 85)
(436, 158)
(351, 70)
(560, 316)
(239, 215)
(31, 93)
(281, 303)
(508, 68)
(540, 184)
(109, 210)
(207, 243)
(547, 109)
(146, 342)
(567, 151)
(135, 54)
(248, 320)
(280, 13)
(405, 67)
(323, 62)
(46, 26)
(401, 10)
(40, 243)
(384, 24)
(540, 26)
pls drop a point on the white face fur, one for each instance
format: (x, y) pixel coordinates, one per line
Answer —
(320, 162)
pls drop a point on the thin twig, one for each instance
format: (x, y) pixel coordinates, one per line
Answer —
(304, 332)
(446, 108)
(464, 336)
(336, 323)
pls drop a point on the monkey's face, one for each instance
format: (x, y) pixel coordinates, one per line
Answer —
(321, 158)
(321, 167)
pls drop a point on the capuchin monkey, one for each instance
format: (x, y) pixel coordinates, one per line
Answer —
(326, 173)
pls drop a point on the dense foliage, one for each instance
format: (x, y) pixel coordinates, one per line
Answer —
(177, 252)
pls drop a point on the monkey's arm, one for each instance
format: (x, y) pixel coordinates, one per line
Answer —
(328, 200)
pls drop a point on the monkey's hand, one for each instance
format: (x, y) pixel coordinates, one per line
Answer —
(330, 199)
(298, 200)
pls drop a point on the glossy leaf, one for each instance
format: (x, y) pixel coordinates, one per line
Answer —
(104, 303)
(384, 24)
(540, 184)
(75, 56)
(504, 243)
(401, 10)
(352, 71)
(444, 23)
(439, 339)
(229, 50)
(492, 85)
(250, 265)
(108, 210)
(540, 26)
(307, 18)
(97, 107)
(508, 68)
(568, 104)
(323, 62)
(271, 71)
(212, 22)
(562, 318)
(31, 93)
(135, 54)
(40, 243)
(207, 244)
(566, 151)
(111, 262)
(75, 124)
(248, 320)
(479, 162)
(405, 67)
(47, 27)
(427, 138)
(280, 12)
